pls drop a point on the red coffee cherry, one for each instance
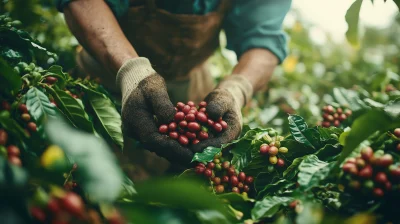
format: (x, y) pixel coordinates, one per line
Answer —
(194, 126)
(211, 165)
(195, 141)
(174, 135)
(203, 104)
(203, 135)
(202, 117)
(246, 188)
(51, 80)
(224, 125)
(381, 178)
(186, 109)
(72, 203)
(225, 179)
(264, 149)
(183, 124)
(378, 192)
(235, 190)
(273, 150)
(210, 122)
(32, 126)
(280, 163)
(249, 180)
(180, 105)
(208, 173)
(200, 169)
(191, 103)
(217, 127)
(226, 165)
(367, 153)
(23, 108)
(366, 172)
(3, 137)
(190, 118)
(234, 181)
(242, 176)
(203, 109)
(15, 160)
(13, 150)
(183, 140)
(220, 189)
(179, 116)
(163, 129)
(172, 126)
(231, 171)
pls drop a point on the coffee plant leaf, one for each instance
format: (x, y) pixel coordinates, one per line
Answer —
(292, 170)
(265, 178)
(107, 115)
(308, 171)
(11, 176)
(10, 81)
(300, 131)
(128, 190)
(269, 206)
(12, 126)
(98, 172)
(349, 99)
(72, 109)
(39, 105)
(275, 188)
(212, 217)
(329, 152)
(57, 71)
(352, 18)
(207, 155)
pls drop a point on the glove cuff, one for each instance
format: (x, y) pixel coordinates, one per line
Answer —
(240, 87)
(131, 73)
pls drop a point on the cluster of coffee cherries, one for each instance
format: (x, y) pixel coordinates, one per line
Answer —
(372, 172)
(224, 177)
(11, 151)
(334, 117)
(68, 207)
(26, 117)
(191, 124)
(273, 148)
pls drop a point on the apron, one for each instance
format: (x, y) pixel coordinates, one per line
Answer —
(177, 45)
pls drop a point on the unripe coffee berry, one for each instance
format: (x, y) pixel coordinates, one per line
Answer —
(216, 161)
(367, 153)
(235, 190)
(283, 150)
(26, 117)
(360, 163)
(217, 180)
(273, 150)
(273, 159)
(218, 167)
(163, 129)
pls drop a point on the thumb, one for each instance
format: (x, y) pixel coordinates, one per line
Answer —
(218, 103)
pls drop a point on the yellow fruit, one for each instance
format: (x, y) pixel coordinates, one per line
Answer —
(283, 150)
(273, 159)
(53, 158)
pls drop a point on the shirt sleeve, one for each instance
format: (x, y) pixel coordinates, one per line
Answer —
(119, 7)
(257, 24)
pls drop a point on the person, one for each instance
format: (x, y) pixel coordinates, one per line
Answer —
(154, 53)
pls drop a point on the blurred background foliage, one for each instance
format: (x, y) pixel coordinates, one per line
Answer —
(300, 85)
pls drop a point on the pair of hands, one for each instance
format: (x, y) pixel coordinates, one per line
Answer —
(147, 96)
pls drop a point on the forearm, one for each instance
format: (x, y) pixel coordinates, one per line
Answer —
(96, 28)
(257, 65)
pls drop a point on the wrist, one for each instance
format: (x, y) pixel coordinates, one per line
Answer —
(240, 87)
(131, 73)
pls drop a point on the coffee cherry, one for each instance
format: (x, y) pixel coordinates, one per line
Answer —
(217, 127)
(349, 168)
(283, 150)
(195, 141)
(351, 160)
(183, 124)
(72, 203)
(186, 109)
(226, 165)
(179, 116)
(293, 204)
(329, 118)
(231, 171)
(378, 192)
(183, 140)
(336, 123)
(26, 117)
(235, 190)
(13, 150)
(190, 135)
(326, 124)
(23, 108)
(348, 113)
(203, 109)
(38, 214)
(246, 188)
(190, 118)
(211, 165)
(194, 126)
(200, 169)
(216, 161)
(219, 189)
(242, 176)
(240, 185)
(264, 149)
(339, 110)
(203, 104)
(180, 105)
(342, 117)
(366, 172)
(394, 172)
(217, 180)
(396, 132)
(218, 167)
(5, 105)
(273, 150)
(191, 103)
(225, 179)
(193, 112)
(51, 80)
(385, 161)
(273, 159)
(203, 135)
(208, 172)
(388, 186)
(381, 178)
(367, 153)
(398, 147)
(360, 162)
(15, 160)
(163, 129)
(32, 126)
(3, 137)
(172, 126)
(355, 185)
(210, 122)
(249, 180)
(224, 125)
(280, 163)
(368, 185)
(174, 135)
(202, 117)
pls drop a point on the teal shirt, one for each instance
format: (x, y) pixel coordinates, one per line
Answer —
(249, 24)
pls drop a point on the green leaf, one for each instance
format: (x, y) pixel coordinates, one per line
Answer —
(72, 109)
(349, 98)
(212, 217)
(98, 172)
(128, 189)
(13, 127)
(275, 188)
(292, 170)
(11, 177)
(366, 125)
(308, 169)
(207, 155)
(57, 71)
(300, 131)
(241, 154)
(326, 134)
(10, 81)
(397, 2)
(352, 17)
(269, 206)
(329, 151)
(108, 116)
(38, 104)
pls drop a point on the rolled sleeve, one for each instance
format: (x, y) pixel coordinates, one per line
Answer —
(119, 7)
(257, 24)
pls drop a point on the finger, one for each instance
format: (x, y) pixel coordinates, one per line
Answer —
(231, 133)
(219, 102)
(168, 148)
(157, 98)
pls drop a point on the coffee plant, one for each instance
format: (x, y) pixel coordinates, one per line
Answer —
(59, 136)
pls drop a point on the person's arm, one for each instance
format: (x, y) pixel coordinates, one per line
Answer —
(97, 30)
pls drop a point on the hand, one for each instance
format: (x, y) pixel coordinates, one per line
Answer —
(144, 94)
(226, 101)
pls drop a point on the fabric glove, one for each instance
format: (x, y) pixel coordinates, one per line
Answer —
(226, 101)
(144, 95)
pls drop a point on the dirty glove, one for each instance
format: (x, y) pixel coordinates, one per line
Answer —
(144, 94)
(226, 101)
